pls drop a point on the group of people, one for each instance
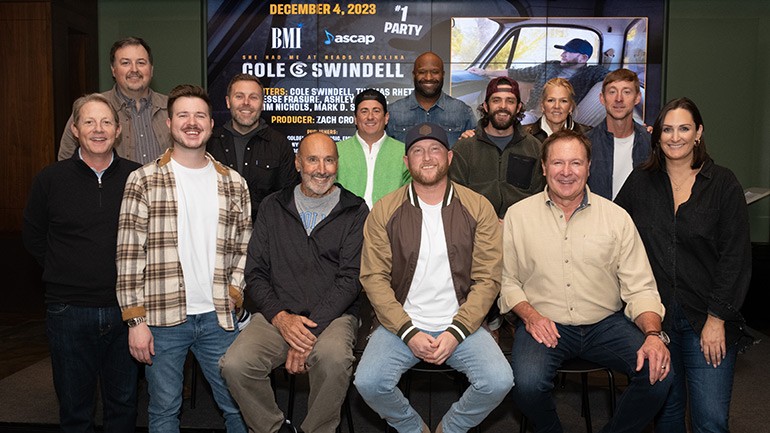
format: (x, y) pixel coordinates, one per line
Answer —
(227, 244)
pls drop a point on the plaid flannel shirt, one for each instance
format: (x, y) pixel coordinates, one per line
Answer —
(150, 280)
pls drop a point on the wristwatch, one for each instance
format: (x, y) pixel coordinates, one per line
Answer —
(135, 321)
(660, 334)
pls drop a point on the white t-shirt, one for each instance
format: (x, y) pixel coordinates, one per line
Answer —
(432, 302)
(197, 220)
(623, 162)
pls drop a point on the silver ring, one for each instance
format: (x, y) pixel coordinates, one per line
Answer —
(662, 367)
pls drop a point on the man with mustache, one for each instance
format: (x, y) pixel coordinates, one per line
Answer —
(247, 144)
(184, 226)
(428, 103)
(142, 111)
(618, 144)
(430, 267)
(302, 278)
(500, 161)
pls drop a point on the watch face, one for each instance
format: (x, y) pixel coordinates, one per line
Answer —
(663, 336)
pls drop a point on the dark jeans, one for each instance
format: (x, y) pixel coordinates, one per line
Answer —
(90, 344)
(612, 342)
(708, 389)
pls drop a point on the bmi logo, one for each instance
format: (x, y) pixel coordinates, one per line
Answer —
(283, 37)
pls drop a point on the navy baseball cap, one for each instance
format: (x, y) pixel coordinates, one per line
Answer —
(580, 46)
(423, 131)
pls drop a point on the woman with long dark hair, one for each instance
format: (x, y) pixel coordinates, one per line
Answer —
(692, 217)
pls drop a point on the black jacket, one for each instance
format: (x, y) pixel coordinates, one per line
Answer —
(316, 275)
(700, 255)
(71, 228)
(268, 161)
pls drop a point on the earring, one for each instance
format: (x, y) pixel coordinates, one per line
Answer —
(697, 142)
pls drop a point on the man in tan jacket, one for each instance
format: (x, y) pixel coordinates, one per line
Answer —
(431, 266)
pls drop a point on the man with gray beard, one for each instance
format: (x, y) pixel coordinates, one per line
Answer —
(500, 161)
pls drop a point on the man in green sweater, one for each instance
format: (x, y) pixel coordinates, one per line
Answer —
(371, 164)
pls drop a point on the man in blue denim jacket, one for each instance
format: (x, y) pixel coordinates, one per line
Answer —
(428, 103)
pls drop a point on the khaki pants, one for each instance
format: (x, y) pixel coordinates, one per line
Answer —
(260, 348)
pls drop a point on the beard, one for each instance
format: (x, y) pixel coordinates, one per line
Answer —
(426, 180)
(418, 87)
(501, 125)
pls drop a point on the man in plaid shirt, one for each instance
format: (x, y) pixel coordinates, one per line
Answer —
(185, 223)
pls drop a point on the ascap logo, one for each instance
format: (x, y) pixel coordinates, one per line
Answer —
(348, 39)
(290, 38)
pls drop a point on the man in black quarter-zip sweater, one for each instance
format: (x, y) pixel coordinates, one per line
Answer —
(70, 227)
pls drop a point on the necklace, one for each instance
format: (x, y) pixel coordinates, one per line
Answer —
(678, 185)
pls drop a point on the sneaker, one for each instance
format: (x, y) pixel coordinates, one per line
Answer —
(287, 427)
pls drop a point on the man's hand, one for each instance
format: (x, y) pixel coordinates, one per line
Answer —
(293, 329)
(295, 361)
(141, 343)
(422, 345)
(477, 71)
(656, 352)
(469, 133)
(541, 328)
(712, 341)
(443, 347)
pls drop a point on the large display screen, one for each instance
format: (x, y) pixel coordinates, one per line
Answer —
(314, 57)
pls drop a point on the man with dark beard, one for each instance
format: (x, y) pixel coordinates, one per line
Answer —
(248, 145)
(428, 103)
(501, 160)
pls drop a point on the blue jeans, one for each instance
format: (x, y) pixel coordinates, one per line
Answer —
(90, 344)
(202, 335)
(387, 357)
(710, 388)
(612, 342)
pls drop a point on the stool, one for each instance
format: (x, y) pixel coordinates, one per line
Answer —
(426, 367)
(583, 367)
(345, 409)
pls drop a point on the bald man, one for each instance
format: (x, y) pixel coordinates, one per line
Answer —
(428, 103)
(302, 278)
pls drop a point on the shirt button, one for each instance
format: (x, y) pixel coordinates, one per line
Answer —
(245, 164)
(561, 216)
(569, 285)
(565, 238)
(566, 261)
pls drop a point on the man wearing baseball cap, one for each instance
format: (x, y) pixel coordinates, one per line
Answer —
(572, 66)
(501, 160)
(431, 267)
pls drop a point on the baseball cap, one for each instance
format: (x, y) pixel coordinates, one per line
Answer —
(371, 95)
(426, 130)
(494, 83)
(580, 46)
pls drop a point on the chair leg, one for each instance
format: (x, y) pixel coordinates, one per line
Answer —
(290, 409)
(586, 404)
(611, 381)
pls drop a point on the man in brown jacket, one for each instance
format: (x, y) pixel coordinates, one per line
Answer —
(431, 267)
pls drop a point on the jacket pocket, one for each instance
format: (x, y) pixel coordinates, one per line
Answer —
(519, 173)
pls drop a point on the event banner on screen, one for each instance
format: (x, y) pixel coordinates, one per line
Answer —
(314, 57)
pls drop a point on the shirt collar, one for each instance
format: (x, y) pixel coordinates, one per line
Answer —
(376, 145)
(99, 173)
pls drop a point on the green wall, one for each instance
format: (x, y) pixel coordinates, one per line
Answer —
(717, 55)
